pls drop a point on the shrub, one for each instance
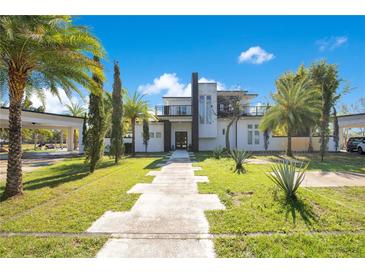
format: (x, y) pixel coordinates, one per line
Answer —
(218, 152)
(240, 157)
(287, 176)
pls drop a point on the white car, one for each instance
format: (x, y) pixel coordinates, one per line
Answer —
(361, 147)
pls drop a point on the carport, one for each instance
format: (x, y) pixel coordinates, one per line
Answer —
(44, 120)
(350, 121)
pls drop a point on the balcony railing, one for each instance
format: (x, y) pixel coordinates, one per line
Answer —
(173, 110)
(244, 111)
(185, 110)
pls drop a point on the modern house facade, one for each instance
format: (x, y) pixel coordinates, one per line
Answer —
(201, 122)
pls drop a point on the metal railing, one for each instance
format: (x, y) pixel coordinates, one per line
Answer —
(185, 110)
(173, 110)
(244, 111)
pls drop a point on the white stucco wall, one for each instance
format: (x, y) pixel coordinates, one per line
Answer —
(275, 143)
(154, 144)
(180, 126)
(175, 101)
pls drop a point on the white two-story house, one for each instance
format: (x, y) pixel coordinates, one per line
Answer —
(200, 123)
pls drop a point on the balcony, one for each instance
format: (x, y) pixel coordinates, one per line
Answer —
(173, 110)
(227, 111)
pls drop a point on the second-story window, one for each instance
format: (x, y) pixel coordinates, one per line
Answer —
(205, 109)
(208, 108)
(202, 109)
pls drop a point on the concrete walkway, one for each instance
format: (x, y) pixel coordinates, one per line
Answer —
(166, 220)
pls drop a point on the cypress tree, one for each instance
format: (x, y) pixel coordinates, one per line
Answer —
(146, 133)
(116, 140)
(96, 122)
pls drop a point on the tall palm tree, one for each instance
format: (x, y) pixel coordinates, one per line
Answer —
(135, 110)
(45, 52)
(297, 103)
(78, 110)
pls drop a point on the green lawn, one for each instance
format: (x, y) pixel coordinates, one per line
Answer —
(64, 197)
(348, 162)
(254, 204)
(292, 246)
(49, 247)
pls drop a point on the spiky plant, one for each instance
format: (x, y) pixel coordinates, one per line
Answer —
(287, 176)
(218, 152)
(239, 157)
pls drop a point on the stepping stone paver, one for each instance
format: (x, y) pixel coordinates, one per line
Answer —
(170, 205)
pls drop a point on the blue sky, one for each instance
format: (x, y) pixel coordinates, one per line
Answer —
(157, 54)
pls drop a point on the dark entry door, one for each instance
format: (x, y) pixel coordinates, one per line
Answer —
(181, 140)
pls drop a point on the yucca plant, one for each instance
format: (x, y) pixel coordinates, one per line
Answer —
(287, 176)
(218, 152)
(239, 157)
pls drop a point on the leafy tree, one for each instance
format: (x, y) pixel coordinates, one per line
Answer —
(296, 104)
(47, 52)
(135, 109)
(78, 110)
(96, 121)
(325, 76)
(336, 133)
(232, 109)
(116, 140)
(146, 133)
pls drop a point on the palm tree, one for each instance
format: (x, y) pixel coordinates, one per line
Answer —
(297, 106)
(44, 52)
(78, 110)
(135, 110)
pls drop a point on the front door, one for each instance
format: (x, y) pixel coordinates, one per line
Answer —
(181, 140)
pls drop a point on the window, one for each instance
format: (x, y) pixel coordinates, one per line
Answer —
(249, 136)
(208, 107)
(158, 135)
(221, 107)
(202, 109)
(205, 109)
(253, 134)
(152, 135)
(223, 131)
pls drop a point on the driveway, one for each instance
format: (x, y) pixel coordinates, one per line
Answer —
(333, 179)
(28, 165)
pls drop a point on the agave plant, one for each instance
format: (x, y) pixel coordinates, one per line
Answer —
(287, 176)
(218, 152)
(240, 157)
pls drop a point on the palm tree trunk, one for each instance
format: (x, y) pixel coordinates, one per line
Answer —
(289, 151)
(14, 184)
(310, 145)
(133, 137)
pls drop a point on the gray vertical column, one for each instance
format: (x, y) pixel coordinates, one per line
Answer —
(195, 112)
(167, 135)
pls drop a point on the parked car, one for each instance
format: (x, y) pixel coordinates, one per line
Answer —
(361, 146)
(353, 142)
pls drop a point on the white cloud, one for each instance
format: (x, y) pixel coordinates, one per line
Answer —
(53, 104)
(255, 55)
(171, 85)
(331, 43)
